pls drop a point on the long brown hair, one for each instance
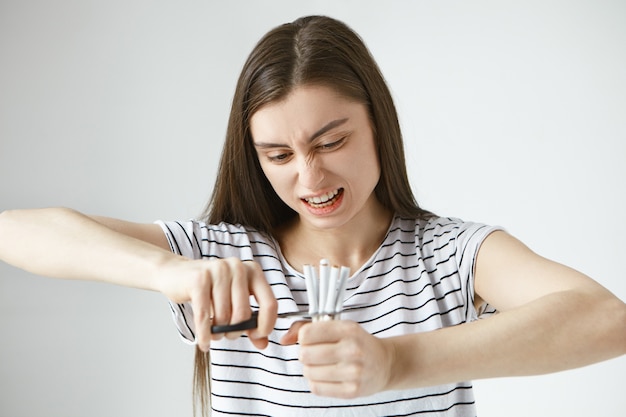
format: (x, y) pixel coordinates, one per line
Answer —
(313, 50)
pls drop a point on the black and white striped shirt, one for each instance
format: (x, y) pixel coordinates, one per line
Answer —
(420, 279)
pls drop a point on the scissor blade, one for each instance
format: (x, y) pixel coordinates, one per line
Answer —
(298, 313)
(251, 323)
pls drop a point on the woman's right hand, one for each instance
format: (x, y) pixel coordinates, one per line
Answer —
(137, 255)
(219, 292)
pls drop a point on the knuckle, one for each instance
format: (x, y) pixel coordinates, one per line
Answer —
(350, 328)
(306, 371)
(351, 390)
(352, 350)
(271, 305)
(354, 373)
(314, 388)
(203, 276)
(303, 356)
(254, 268)
(252, 264)
(219, 270)
(304, 335)
(234, 264)
(203, 315)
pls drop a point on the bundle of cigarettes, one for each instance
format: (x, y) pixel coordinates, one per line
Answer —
(325, 289)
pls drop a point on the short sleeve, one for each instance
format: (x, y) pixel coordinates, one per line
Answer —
(184, 239)
(468, 242)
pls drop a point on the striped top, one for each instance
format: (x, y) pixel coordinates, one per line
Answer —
(419, 279)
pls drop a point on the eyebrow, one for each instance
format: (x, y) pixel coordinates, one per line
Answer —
(327, 127)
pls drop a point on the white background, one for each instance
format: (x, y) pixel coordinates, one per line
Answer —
(514, 113)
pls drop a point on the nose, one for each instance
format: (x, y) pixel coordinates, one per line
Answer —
(310, 173)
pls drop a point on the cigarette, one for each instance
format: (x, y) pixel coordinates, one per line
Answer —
(331, 296)
(344, 274)
(310, 281)
(324, 277)
(326, 290)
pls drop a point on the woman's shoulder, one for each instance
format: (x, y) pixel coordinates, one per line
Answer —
(222, 231)
(209, 237)
(430, 224)
(440, 229)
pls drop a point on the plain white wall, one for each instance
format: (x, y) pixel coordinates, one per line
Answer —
(513, 114)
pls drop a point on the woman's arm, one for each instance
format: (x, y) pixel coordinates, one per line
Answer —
(63, 243)
(551, 318)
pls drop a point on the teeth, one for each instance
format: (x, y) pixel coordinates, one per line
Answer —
(323, 198)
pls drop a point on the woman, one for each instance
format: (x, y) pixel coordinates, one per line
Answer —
(313, 168)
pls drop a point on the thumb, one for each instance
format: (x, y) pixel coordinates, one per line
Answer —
(291, 337)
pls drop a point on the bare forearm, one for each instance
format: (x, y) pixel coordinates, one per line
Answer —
(557, 332)
(63, 243)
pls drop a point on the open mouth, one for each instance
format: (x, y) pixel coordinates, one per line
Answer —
(324, 200)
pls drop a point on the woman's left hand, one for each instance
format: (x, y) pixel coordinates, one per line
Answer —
(340, 359)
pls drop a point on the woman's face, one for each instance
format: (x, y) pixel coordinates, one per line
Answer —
(317, 149)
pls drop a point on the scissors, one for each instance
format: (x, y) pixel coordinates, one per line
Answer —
(252, 322)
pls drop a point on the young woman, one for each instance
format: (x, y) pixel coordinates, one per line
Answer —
(312, 168)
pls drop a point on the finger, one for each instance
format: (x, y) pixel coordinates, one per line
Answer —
(325, 373)
(321, 332)
(324, 389)
(221, 288)
(319, 354)
(240, 295)
(340, 379)
(203, 312)
(268, 306)
(345, 390)
(258, 342)
(291, 337)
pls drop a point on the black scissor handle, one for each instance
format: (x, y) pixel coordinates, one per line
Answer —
(251, 323)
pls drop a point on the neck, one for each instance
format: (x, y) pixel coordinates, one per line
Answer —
(350, 245)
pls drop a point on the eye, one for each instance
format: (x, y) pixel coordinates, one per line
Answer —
(332, 145)
(278, 157)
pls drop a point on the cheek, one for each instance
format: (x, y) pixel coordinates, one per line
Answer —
(365, 165)
(277, 178)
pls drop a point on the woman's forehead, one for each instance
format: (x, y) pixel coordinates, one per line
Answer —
(305, 111)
